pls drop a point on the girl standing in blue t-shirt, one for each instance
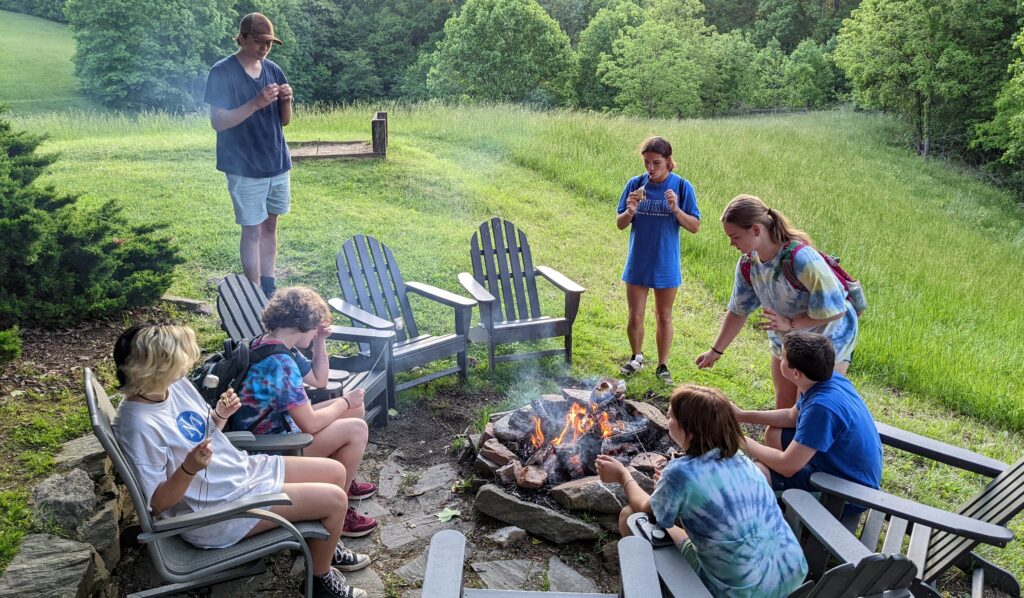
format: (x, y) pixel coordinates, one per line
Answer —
(655, 206)
(732, 531)
(820, 305)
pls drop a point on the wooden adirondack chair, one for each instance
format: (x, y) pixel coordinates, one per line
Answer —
(443, 576)
(240, 303)
(375, 295)
(859, 572)
(504, 283)
(938, 539)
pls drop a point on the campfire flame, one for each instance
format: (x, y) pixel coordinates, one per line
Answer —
(579, 421)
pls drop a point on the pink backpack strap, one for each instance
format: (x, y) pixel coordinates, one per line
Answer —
(787, 267)
(745, 268)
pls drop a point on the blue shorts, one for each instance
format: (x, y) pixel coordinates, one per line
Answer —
(255, 198)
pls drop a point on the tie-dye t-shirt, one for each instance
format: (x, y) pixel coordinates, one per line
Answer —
(731, 516)
(824, 298)
(272, 387)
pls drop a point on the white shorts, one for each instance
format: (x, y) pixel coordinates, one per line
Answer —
(255, 198)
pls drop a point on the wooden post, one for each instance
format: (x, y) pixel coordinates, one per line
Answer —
(379, 131)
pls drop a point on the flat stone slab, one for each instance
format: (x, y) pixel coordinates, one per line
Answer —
(413, 571)
(84, 453)
(536, 519)
(366, 579)
(391, 476)
(563, 578)
(416, 529)
(590, 494)
(437, 477)
(50, 566)
(507, 575)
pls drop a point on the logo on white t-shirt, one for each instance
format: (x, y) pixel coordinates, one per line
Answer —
(191, 425)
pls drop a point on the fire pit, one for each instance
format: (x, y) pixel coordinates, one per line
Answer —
(548, 448)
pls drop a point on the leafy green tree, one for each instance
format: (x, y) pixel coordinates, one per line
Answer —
(938, 63)
(52, 10)
(1004, 133)
(769, 73)
(727, 76)
(136, 54)
(574, 15)
(727, 15)
(788, 21)
(502, 50)
(70, 263)
(654, 71)
(596, 40)
(808, 76)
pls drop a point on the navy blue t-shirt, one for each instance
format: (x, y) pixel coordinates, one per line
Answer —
(653, 258)
(835, 421)
(255, 147)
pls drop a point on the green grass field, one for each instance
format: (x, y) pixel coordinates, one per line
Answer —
(36, 73)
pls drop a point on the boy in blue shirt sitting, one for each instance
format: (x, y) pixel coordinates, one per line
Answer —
(829, 429)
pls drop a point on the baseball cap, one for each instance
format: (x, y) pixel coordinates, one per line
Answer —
(259, 26)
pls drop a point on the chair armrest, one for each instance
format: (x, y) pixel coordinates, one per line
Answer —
(363, 317)
(559, 280)
(912, 511)
(360, 335)
(443, 575)
(220, 512)
(475, 289)
(275, 443)
(838, 540)
(239, 437)
(937, 450)
(440, 295)
(636, 564)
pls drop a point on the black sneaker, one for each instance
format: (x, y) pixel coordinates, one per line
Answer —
(663, 373)
(633, 366)
(346, 560)
(334, 585)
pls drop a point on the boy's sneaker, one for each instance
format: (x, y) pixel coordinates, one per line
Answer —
(633, 366)
(346, 560)
(334, 585)
(356, 525)
(663, 373)
(361, 490)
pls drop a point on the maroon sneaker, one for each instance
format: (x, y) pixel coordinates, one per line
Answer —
(361, 490)
(356, 525)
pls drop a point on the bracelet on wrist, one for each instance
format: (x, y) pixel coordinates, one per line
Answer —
(191, 473)
(626, 483)
(218, 415)
(347, 402)
(717, 351)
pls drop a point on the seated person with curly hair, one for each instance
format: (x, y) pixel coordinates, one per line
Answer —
(274, 399)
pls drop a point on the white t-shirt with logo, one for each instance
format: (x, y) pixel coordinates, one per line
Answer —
(156, 438)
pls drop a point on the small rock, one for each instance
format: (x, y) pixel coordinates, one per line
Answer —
(192, 305)
(102, 533)
(654, 415)
(508, 535)
(508, 474)
(496, 452)
(531, 477)
(562, 578)
(475, 441)
(484, 467)
(649, 462)
(65, 499)
(50, 566)
(488, 433)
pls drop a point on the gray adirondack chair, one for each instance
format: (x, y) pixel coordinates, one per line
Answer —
(504, 284)
(859, 572)
(939, 539)
(443, 576)
(375, 295)
(239, 305)
(179, 562)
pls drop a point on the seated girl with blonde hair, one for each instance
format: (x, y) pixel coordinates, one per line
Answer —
(184, 463)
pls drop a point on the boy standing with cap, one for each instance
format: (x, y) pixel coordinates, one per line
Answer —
(250, 101)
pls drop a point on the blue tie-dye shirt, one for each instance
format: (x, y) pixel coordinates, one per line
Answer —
(271, 388)
(730, 514)
(824, 298)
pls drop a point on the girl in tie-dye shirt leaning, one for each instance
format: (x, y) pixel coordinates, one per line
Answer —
(763, 235)
(733, 533)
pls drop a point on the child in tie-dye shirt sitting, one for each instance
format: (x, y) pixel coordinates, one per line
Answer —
(733, 532)
(274, 399)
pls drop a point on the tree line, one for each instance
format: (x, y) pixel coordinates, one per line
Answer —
(951, 68)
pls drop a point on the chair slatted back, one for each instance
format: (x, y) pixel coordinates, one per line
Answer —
(239, 305)
(999, 502)
(502, 263)
(872, 576)
(101, 414)
(369, 277)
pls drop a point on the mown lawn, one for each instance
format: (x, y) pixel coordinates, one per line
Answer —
(933, 246)
(36, 73)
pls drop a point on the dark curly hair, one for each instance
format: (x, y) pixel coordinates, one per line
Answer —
(295, 307)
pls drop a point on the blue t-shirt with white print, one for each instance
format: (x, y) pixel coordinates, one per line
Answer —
(653, 258)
